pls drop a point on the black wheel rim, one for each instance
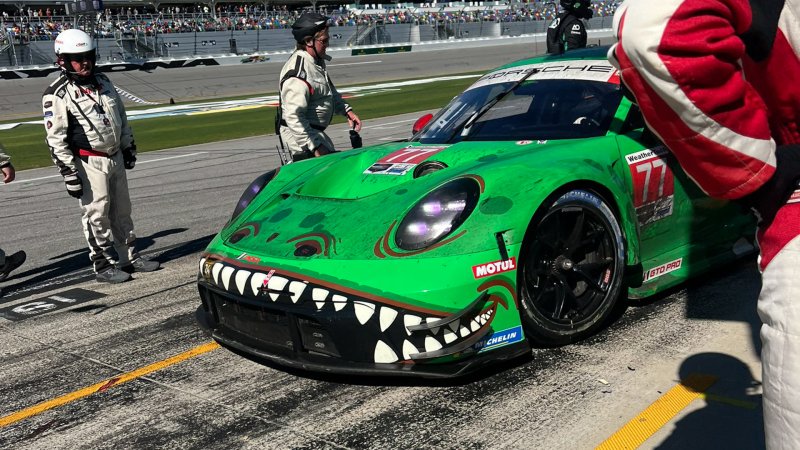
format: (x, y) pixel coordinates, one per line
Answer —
(570, 266)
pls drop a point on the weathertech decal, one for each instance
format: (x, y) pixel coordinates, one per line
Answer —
(492, 268)
(663, 269)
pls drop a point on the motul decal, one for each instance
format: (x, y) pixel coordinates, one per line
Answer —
(492, 268)
(663, 269)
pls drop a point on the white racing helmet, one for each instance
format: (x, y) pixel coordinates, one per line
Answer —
(74, 44)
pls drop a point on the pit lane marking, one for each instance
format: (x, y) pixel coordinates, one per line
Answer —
(659, 413)
(105, 385)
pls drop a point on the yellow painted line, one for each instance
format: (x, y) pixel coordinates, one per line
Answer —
(655, 416)
(104, 385)
(730, 401)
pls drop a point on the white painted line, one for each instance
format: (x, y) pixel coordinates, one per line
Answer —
(17, 181)
(354, 64)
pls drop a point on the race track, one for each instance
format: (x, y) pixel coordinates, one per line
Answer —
(96, 366)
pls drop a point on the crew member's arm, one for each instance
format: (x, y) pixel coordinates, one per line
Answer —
(6, 168)
(681, 59)
(56, 123)
(295, 94)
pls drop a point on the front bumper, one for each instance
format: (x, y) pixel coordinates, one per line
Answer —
(311, 325)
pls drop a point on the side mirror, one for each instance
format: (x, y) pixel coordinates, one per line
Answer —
(420, 123)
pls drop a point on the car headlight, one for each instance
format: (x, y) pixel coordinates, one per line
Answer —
(252, 191)
(438, 214)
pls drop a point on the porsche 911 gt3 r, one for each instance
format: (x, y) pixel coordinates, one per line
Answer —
(519, 215)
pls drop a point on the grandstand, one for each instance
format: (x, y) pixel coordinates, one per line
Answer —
(135, 29)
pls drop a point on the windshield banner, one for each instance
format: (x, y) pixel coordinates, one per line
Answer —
(594, 70)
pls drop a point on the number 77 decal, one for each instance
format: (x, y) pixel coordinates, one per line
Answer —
(652, 178)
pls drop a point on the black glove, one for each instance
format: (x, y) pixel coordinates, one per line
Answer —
(129, 157)
(74, 185)
(773, 194)
(355, 139)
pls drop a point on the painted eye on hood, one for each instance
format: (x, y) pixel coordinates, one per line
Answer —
(437, 214)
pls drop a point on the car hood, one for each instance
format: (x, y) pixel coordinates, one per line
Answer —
(361, 173)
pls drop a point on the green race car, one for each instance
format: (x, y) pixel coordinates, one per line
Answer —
(519, 215)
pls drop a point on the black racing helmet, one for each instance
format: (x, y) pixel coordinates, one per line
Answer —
(308, 25)
(578, 7)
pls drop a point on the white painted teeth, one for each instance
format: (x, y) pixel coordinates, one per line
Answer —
(215, 272)
(257, 282)
(435, 331)
(364, 311)
(202, 262)
(319, 296)
(474, 325)
(387, 317)
(227, 271)
(384, 353)
(464, 332)
(431, 344)
(449, 336)
(241, 280)
(339, 302)
(296, 288)
(276, 283)
(408, 350)
(410, 320)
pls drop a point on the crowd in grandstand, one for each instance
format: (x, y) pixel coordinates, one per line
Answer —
(45, 23)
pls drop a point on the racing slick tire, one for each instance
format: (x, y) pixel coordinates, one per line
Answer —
(572, 269)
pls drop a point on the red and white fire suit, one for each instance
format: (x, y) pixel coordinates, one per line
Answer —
(87, 131)
(719, 82)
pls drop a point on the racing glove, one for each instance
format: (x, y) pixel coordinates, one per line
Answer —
(772, 195)
(129, 157)
(74, 185)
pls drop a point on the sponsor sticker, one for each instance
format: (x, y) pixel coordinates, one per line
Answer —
(663, 269)
(249, 258)
(653, 184)
(48, 114)
(590, 70)
(48, 104)
(402, 161)
(499, 338)
(49, 125)
(524, 142)
(493, 268)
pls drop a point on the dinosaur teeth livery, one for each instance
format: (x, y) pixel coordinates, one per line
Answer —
(519, 215)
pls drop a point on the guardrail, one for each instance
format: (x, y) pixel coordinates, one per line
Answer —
(536, 40)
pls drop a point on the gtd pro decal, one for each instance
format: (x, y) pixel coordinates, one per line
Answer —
(663, 269)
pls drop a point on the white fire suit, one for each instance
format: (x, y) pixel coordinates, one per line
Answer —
(87, 132)
(717, 81)
(308, 101)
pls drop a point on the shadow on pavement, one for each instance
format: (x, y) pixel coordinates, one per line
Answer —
(731, 417)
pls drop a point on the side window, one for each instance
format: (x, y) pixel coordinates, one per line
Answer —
(633, 121)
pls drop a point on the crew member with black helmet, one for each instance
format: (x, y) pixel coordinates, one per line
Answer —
(308, 98)
(567, 31)
(92, 145)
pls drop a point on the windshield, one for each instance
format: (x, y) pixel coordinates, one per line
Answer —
(535, 110)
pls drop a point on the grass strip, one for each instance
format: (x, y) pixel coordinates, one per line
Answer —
(27, 147)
